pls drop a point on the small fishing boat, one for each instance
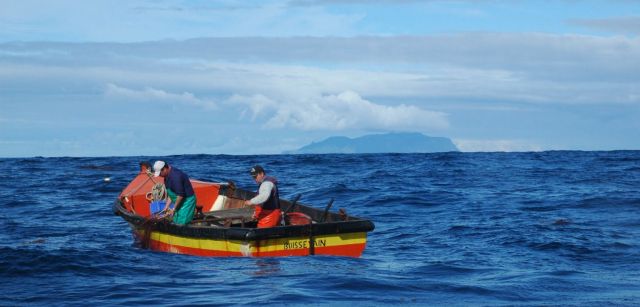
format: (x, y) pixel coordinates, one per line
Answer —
(223, 226)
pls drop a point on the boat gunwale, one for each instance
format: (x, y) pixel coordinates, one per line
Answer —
(332, 227)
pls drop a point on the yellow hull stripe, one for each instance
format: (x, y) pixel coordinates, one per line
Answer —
(253, 247)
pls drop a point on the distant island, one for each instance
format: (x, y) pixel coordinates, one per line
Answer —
(397, 142)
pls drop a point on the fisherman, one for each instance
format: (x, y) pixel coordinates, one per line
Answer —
(145, 167)
(267, 202)
(180, 193)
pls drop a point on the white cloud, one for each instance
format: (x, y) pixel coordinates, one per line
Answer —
(142, 20)
(624, 25)
(333, 90)
(527, 67)
(474, 145)
(156, 95)
(329, 85)
(258, 104)
(344, 111)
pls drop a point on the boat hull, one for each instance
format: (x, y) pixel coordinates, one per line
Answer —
(231, 232)
(337, 238)
(348, 244)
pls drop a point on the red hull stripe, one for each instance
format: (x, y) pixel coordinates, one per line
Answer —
(351, 245)
(351, 250)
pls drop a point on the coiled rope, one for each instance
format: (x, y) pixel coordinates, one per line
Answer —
(158, 193)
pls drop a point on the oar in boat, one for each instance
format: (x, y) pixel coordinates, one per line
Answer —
(293, 203)
(326, 211)
(312, 238)
(291, 206)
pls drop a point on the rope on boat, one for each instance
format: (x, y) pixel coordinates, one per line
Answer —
(158, 192)
(148, 226)
(149, 177)
(125, 196)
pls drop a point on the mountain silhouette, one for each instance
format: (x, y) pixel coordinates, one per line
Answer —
(396, 142)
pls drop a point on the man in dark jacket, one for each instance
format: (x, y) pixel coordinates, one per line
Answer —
(180, 192)
(267, 202)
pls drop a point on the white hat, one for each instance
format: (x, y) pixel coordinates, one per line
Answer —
(157, 167)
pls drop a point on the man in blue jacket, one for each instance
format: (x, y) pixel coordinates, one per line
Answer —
(180, 192)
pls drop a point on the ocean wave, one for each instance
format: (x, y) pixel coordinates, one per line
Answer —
(548, 228)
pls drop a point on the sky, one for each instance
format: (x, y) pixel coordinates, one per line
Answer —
(123, 78)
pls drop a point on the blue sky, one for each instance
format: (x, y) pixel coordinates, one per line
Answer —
(105, 78)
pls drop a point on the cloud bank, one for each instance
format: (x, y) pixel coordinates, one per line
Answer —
(626, 25)
(150, 94)
(344, 111)
(530, 67)
(304, 88)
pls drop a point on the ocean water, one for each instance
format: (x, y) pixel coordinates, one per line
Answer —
(467, 229)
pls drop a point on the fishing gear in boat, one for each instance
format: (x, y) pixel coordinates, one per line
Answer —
(283, 219)
(295, 218)
(158, 192)
(158, 198)
(293, 204)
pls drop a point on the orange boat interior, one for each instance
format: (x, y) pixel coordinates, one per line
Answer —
(136, 197)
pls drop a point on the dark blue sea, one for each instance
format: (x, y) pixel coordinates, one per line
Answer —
(464, 229)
